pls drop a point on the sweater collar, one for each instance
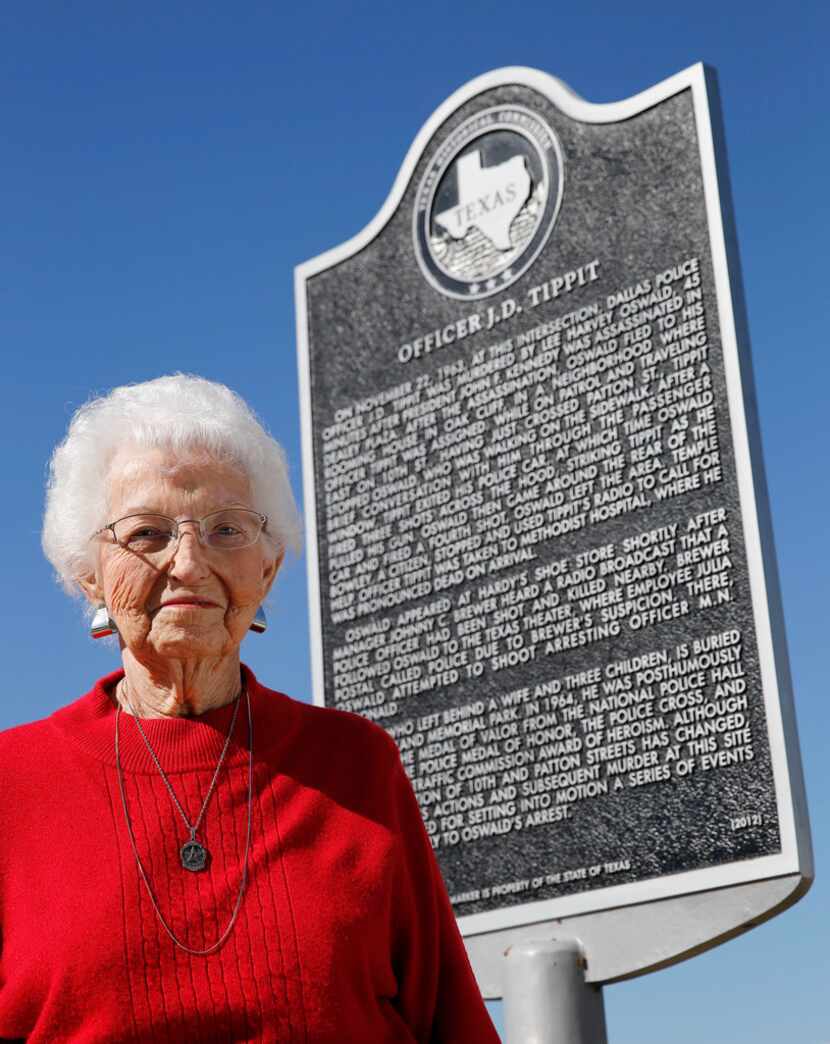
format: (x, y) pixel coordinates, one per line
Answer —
(180, 744)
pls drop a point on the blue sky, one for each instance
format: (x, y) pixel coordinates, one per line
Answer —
(164, 167)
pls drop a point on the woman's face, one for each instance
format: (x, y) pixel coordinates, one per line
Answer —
(194, 602)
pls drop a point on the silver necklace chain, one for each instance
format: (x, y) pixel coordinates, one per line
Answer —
(244, 876)
(191, 828)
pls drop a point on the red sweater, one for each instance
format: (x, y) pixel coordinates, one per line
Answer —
(345, 934)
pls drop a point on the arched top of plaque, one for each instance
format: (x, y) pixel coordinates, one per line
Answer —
(554, 89)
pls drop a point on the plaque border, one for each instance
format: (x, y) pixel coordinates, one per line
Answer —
(787, 874)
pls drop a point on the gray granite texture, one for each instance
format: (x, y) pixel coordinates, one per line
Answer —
(633, 198)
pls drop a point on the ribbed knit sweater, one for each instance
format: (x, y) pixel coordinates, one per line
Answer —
(345, 933)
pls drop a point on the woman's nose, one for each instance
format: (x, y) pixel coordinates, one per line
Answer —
(188, 558)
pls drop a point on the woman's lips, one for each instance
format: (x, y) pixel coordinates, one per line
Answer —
(188, 603)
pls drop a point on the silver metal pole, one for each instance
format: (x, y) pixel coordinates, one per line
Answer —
(546, 997)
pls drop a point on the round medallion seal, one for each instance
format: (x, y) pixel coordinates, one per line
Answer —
(487, 201)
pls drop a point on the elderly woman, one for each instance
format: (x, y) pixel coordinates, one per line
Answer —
(186, 855)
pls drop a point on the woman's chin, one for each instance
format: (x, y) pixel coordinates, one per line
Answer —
(178, 641)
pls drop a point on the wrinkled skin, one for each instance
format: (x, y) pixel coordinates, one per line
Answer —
(180, 621)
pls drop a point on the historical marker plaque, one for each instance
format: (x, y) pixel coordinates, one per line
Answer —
(533, 513)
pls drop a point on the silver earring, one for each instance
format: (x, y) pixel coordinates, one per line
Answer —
(259, 622)
(102, 624)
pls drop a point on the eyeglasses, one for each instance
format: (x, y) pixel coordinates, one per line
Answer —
(155, 535)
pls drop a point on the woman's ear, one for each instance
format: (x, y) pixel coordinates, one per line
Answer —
(270, 568)
(92, 589)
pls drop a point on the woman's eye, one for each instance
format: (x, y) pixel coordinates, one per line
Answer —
(225, 530)
(147, 534)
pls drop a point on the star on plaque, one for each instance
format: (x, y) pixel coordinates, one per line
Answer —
(506, 275)
(491, 284)
(474, 288)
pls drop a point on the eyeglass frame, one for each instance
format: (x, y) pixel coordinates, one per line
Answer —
(173, 541)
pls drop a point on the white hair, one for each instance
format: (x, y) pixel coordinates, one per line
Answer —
(178, 412)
